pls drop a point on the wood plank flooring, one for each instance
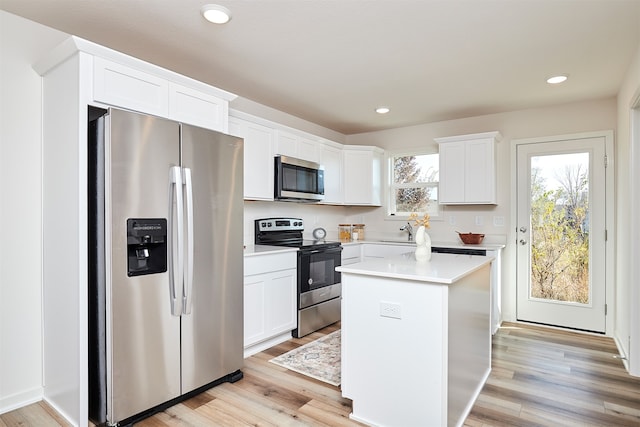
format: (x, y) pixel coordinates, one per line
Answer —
(540, 377)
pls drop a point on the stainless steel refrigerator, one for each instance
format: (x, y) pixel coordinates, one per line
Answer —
(166, 256)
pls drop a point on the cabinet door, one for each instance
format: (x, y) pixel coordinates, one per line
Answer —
(258, 158)
(254, 308)
(308, 149)
(280, 303)
(480, 182)
(331, 159)
(286, 144)
(121, 86)
(289, 144)
(468, 169)
(452, 177)
(197, 108)
(362, 177)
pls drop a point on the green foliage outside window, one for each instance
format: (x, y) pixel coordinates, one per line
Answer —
(414, 184)
(560, 238)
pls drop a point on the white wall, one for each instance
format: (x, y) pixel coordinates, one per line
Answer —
(627, 328)
(564, 119)
(22, 42)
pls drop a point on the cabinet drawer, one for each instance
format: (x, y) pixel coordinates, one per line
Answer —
(121, 86)
(259, 264)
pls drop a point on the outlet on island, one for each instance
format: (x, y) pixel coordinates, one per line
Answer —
(390, 309)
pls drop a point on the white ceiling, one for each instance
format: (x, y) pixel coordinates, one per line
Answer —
(333, 61)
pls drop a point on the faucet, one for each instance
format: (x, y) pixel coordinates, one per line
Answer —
(409, 229)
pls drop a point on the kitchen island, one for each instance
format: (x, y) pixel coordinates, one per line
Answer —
(416, 338)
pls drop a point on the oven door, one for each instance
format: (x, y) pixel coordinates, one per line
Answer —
(318, 279)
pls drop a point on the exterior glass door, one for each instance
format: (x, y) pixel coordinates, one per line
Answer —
(561, 233)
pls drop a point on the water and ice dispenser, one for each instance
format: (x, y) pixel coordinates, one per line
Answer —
(146, 246)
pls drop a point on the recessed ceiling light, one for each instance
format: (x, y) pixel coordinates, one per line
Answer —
(216, 13)
(557, 79)
(382, 110)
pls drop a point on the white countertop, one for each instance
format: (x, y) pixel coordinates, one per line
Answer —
(456, 245)
(442, 268)
(253, 250)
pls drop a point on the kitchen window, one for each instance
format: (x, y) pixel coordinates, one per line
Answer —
(413, 184)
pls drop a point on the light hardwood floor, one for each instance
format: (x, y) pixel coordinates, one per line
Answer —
(540, 377)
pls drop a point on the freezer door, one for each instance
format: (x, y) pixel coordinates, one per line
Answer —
(212, 331)
(143, 338)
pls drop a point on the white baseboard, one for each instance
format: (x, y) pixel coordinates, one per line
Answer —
(18, 400)
(263, 345)
(622, 352)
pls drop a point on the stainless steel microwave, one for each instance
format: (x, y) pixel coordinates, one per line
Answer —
(298, 180)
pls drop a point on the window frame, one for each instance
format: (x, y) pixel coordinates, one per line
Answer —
(390, 187)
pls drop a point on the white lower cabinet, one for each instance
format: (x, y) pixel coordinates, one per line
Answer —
(351, 254)
(269, 300)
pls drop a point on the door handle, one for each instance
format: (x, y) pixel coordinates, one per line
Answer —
(188, 273)
(523, 229)
(174, 232)
(523, 242)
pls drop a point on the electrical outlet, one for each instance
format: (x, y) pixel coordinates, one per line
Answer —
(452, 220)
(498, 221)
(479, 220)
(390, 309)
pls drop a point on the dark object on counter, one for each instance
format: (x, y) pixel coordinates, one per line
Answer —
(471, 238)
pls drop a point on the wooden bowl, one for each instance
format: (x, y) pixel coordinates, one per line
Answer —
(471, 238)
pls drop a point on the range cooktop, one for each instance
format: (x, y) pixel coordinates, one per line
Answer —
(286, 232)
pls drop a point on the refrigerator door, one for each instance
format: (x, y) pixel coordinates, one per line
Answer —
(143, 338)
(212, 331)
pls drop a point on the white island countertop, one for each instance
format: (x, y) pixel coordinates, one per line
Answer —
(442, 268)
(434, 244)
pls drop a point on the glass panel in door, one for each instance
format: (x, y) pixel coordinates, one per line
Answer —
(560, 228)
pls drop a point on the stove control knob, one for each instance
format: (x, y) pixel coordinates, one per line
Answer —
(310, 281)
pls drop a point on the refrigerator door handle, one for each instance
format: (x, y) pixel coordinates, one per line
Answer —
(175, 232)
(188, 278)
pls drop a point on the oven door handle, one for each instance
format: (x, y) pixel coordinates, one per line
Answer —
(336, 250)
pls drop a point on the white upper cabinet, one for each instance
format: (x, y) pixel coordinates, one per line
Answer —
(197, 108)
(331, 159)
(258, 157)
(468, 169)
(362, 175)
(126, 87)
(293, 145)
(121, 86)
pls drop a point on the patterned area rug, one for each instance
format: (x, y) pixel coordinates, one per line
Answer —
(319, 359)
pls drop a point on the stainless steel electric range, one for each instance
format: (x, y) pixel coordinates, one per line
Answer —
(319, 286)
